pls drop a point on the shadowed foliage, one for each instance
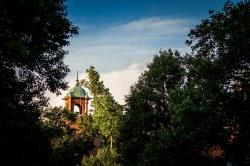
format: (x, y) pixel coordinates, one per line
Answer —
(33, 34)
(204, 120)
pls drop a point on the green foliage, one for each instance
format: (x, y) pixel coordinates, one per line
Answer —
(107, 111)
(68, 144)
(104, 157)
(105, 121)
(147, 105)
(209, 109)
(87, 125)
(58, 120)
(69, 150)
(173, 149)
(222, 41)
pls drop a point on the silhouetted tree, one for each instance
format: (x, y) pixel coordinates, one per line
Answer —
(33, 34)
(147, 106)
(221, 63)
(209, 110)
(69, 140)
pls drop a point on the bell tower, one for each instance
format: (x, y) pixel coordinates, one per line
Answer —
(77, 96)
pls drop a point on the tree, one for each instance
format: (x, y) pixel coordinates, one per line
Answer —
(222, 40)
(210, 110)
(106, 120)
(105, 156)
(33, 36)
(147, 105)
(69, 142)
(58, 121)
(107, 111)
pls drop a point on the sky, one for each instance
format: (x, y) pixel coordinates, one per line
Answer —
(119, 37)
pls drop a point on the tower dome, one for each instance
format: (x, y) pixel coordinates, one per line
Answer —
(77, 90)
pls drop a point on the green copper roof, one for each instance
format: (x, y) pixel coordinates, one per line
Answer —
(77, 90)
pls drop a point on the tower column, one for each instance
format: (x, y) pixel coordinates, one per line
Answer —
(86, 106)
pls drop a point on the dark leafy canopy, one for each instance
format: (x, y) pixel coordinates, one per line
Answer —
(58, 120)
(32, 36)
(222, 41)
(210, 110)
(147, 111)
(69, 142)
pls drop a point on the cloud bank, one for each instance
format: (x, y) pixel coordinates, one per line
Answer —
(118, 82)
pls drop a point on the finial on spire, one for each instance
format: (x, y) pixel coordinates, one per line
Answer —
(77, 81)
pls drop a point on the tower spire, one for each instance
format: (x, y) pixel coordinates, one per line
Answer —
(77, 75)
(77, 81)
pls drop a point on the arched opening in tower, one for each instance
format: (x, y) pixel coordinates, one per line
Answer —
(76, 109)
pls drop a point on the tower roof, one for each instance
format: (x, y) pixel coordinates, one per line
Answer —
(77, 90)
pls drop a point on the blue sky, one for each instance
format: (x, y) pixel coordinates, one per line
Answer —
(105, 12)
(101, 28)
(119, 37)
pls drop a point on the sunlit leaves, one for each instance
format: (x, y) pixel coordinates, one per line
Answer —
(107, 111)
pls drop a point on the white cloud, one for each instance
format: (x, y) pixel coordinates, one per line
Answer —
(155, 27)
(118, 82)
